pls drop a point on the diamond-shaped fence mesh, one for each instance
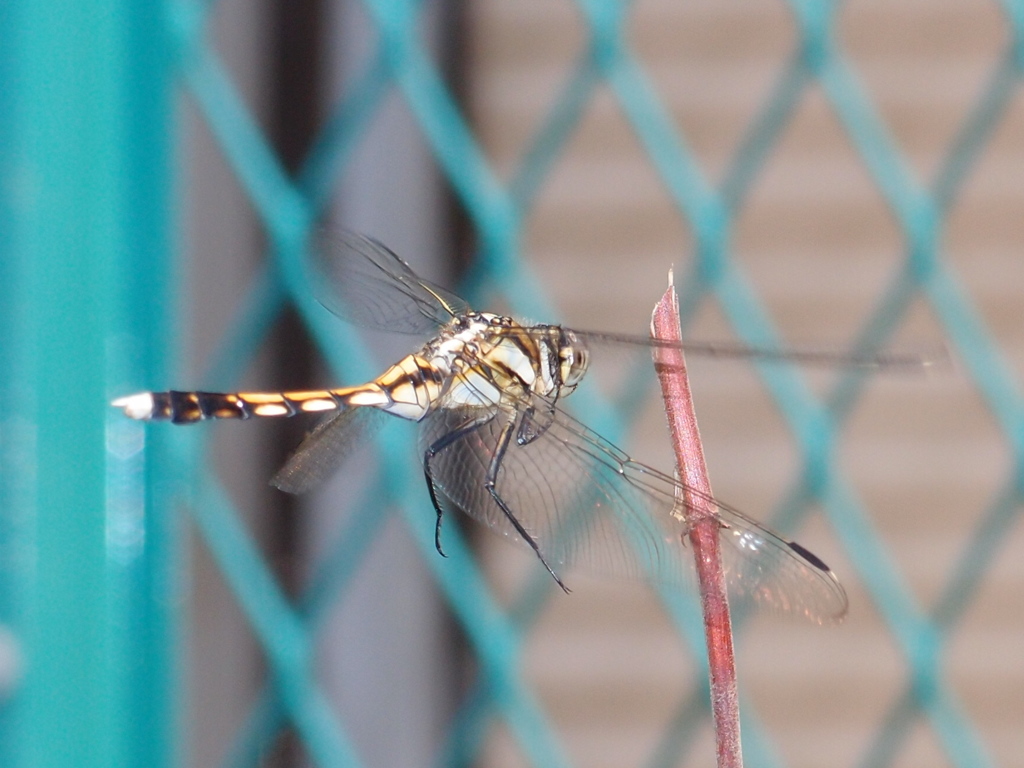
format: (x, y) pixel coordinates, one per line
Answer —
(819, 172)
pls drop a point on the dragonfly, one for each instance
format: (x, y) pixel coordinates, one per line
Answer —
(497, 445)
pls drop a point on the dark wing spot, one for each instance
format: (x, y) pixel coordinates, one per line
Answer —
(809, 556)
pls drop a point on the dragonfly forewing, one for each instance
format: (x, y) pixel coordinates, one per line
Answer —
(361, 280)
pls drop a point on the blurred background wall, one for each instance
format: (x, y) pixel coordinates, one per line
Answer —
(819, 174)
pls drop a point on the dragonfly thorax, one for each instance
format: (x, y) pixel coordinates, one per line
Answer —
(491, 360)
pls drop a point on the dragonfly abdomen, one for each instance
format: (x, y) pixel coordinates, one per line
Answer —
(407, 389)
(190, 407)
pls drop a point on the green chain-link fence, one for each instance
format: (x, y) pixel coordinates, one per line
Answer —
(92, 560)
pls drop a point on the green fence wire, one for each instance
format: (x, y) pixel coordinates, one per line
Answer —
(78, 258)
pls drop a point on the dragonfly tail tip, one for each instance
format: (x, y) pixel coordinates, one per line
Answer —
(138, 406)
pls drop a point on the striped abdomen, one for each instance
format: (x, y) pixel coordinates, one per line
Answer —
(407, 389)
(189, 407)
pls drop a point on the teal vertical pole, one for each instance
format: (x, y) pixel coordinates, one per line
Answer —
(13, 432)
(88, 542)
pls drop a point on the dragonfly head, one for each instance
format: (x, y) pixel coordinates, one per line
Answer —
(573, 359)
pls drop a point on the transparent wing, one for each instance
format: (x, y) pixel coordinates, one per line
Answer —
(586, 503)
(365, 282)
(325, 448)
(910, 360)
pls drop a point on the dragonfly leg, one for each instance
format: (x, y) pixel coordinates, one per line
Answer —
(490, 484)
(439, 445)
(530, 427)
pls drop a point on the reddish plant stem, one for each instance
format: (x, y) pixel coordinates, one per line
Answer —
(702, 517)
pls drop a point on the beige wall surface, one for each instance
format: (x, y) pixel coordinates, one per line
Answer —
(819, 246)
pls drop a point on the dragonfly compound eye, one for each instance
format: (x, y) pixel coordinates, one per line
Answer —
(573, 360)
